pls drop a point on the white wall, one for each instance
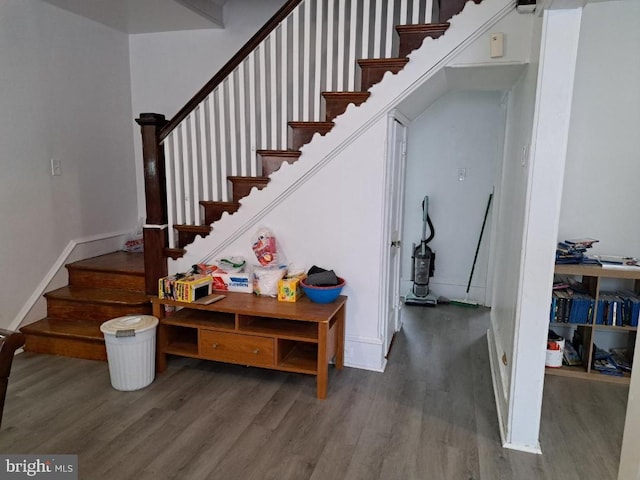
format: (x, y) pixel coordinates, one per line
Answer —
(66, 95)
(509, 210)
(461, 130)
(335, 222)
(167, 69)
(601, 180)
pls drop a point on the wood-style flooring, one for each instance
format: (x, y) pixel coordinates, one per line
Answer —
(430, 415)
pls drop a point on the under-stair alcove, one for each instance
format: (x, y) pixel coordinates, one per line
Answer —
(455, 151)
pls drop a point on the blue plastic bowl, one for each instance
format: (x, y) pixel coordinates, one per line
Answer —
(322, 294)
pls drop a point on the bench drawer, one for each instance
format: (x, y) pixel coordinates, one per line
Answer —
(236, 348)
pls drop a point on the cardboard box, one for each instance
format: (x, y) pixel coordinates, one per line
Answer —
(233, 282)
(183, 288)
(289, 289)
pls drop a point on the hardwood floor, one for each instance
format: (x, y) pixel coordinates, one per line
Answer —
(431, 415)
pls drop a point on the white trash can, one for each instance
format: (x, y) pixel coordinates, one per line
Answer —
(131, 351)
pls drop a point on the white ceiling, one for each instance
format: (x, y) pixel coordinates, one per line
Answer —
(147, 16)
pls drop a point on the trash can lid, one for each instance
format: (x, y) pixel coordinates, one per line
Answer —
(137, 323)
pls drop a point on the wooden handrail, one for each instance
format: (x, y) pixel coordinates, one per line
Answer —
(230, 66)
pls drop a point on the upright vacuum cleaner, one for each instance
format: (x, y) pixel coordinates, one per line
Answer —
(423, 264)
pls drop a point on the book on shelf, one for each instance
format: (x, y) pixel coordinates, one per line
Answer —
(570, 355)
(609, 309)
(618, 260)
(630, 307)
(568, 306)
(603, 362)
(585, 242)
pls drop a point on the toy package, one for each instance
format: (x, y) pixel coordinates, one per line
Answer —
(265, 248)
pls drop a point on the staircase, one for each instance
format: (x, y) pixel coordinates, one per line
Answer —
(185, 132)
(202, 164)
(99, 289)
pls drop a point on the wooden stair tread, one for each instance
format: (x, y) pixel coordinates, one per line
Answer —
(256, 180)
(373, 69)
(213, 210)
(212, 203)
(197, 229)
(310, 125)
(72, 328)
(98, 295)
(383, 62)
(242, 186)
(174, 253)
(336, 103)
(116, 262)
(301, 133)
(272, 160)
(423, 27)
(188, 233)
(412, 36)
(279, 153)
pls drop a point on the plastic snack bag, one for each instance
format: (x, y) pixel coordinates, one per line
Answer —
(265, 248)
(265, 280)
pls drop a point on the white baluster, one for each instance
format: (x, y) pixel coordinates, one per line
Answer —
(273, 83)
(366, 20)
(222, 142)
(403, 12)
(318, 62)
(330, 45)
(194, 133)
(306, 62)
(416, 12)
(242, 124)
(170, 182)
(213, 145)
(389, 29)
(205, 156)
(262, 105)
(253, 105)
(186, 181)
(340, 83)
(177, 164)
(232, 135)
(377, 32)
(284, 93)
(295, 66)
(429, 12)
(353, 33)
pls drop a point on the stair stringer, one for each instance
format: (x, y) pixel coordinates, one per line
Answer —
(233, 233)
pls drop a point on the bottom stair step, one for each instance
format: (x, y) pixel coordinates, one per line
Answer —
(68, 337)
(96, 304)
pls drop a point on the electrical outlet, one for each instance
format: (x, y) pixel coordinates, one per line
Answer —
(462, 174)
(56, 167)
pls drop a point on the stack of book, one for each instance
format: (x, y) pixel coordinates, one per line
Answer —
(573, 251)
(630, 307)
(571, 303)
(616, 362)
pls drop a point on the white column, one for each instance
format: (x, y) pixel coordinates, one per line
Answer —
(554, 93)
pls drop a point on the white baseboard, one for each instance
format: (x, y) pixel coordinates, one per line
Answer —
(496, 380)
(107, 238)
(364, 353)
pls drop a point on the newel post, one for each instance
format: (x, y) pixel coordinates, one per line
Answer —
(155, 228)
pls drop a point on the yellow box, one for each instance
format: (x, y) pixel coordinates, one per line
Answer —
(289, 289)
(183, 288)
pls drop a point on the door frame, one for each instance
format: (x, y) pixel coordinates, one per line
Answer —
(391, 275)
